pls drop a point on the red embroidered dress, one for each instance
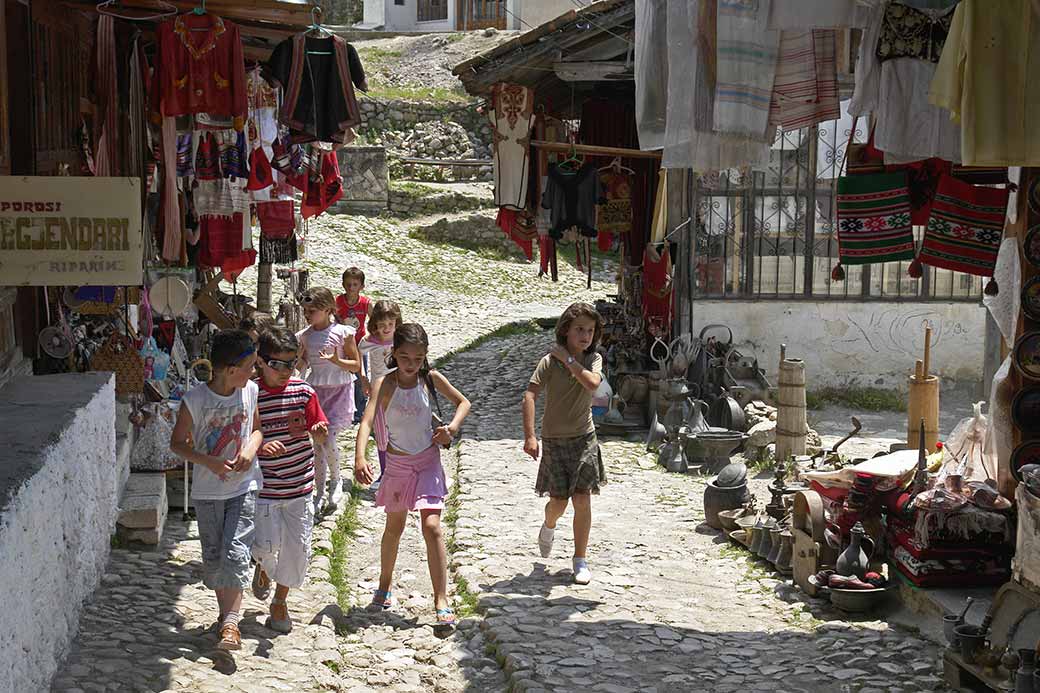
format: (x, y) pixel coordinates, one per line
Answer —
(657, 290)
(199, 69)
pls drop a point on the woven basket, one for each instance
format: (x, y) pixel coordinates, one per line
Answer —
(118, 355)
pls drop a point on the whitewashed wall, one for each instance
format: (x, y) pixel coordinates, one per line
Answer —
(864, 343)
(60, 483)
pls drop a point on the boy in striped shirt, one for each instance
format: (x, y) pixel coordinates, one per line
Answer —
(290, 415)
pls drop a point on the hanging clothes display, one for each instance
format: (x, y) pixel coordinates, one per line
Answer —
(690, 141)
(745, 67)
(511, 116)
(199, 69)
(317, 75)
(519, 226)
(320, 181)
(657, 290)
(571, 197)
(108, 101)
(651, 72)
(897, 61)
(797, 15)
(805, 91)
(614, 215)
(986, 79)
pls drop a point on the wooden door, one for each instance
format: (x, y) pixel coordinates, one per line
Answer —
(482, 14)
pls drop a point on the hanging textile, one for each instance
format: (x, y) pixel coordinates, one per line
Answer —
(518, 225)
(199, 69)
(651, 72)
(797, 15)
(657, 290)
(225, 240)
(320, 181)
(511, 117)
(989, 84)
(873, 220)
(690, 141)
(108, 100)
(907, 126)
(659, 227)
(965, 228)
(805, 91)
(614, 215)
(745, 67)
(571, 197)
(840, 133)
(317, 76)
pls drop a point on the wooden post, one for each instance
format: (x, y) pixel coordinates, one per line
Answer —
(791, 425)
(263, 288)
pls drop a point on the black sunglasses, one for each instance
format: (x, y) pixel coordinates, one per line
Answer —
(280, 365)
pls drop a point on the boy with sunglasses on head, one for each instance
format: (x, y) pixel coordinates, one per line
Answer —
(218, 431)
(289, 415)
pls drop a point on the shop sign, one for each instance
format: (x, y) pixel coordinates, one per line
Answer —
(65, 231)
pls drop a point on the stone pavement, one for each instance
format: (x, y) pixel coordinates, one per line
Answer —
(672, 607)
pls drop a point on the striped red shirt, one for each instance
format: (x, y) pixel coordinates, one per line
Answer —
(286, 416)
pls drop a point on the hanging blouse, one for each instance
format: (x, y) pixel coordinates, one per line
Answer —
(657, 289)
(572, 200)
(317, 76)
(987, 78)
(199, 69)
(908, 127)
(511, 116)
(907, 32)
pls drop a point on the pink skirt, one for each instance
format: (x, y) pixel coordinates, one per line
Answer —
(337, 401)
(413, 482)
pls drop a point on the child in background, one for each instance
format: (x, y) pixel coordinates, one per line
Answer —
(255, 324)
(414, 478)
(352, 310)
(376, 349)
(218, 431)
(289, 416)
(331, 357)
(571, 468)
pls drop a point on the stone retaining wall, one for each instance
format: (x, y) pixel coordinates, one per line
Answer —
(477, 230)
(366, 179)
(377, 115)
(60, 483)
(415, 201)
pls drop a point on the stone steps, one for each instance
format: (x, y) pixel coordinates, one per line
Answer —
(143, 508)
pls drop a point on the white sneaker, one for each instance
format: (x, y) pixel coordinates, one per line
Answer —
(582, 574)
(335, 493)
(545, 540)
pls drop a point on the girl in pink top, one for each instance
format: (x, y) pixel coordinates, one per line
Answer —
(405, 400)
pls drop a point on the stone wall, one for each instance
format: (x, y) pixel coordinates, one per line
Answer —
(366, 179)
(864, 343)
(416, 199)
(60, 483)
(401, 116)
(475, 231)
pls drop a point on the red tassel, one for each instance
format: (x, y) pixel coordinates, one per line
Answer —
(915, 270)
(838, 273)
(991, 287)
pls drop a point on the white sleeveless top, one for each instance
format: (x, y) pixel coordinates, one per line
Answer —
(321, 373)
(408, 419)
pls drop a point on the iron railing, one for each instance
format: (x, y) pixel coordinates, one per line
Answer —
(772, 234)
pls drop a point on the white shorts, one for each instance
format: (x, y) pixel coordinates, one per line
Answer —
(282, 544)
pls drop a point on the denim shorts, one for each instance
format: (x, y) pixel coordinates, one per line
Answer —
(226, 530)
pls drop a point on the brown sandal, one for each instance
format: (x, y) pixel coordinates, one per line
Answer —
(276, 624)
(230, 637)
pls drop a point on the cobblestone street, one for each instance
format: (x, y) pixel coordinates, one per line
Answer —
(650, 621)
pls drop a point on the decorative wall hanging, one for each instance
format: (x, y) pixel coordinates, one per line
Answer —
(873, 220)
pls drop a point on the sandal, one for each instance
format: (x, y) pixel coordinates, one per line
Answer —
(445, 618)
(381, 600)
(276, 624)
(261, 583)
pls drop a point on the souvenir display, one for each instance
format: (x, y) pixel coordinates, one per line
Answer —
(1025, 410)
(1026, 355)
(1031, 298)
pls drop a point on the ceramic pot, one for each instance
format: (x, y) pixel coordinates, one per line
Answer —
(717, 498)
(970, 639)
(1026, 671)
(774, 551)
(767, 541)
(854, 560)
(783, 558)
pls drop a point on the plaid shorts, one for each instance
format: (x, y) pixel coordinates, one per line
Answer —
(569, 466)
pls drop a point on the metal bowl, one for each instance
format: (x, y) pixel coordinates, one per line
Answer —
(859, 601)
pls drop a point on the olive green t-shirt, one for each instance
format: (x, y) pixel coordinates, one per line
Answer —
(568, 405)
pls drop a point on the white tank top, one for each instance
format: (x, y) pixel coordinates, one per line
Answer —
(408, 419)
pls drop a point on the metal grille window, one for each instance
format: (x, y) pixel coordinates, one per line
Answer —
(773, 234)
(432, 10)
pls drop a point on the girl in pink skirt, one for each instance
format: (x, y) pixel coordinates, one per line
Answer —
(402, 413)
(330, 356)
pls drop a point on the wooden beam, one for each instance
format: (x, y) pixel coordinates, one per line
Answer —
(597, 71)
(593, 150)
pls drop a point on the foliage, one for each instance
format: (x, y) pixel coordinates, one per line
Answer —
(855, 397)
